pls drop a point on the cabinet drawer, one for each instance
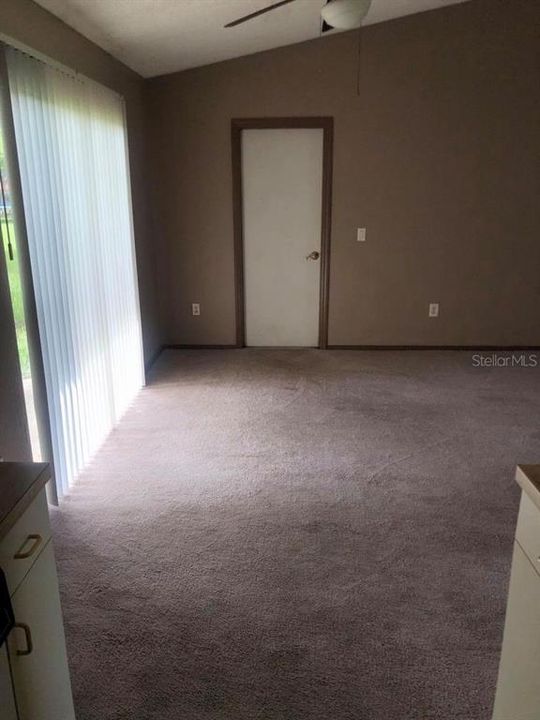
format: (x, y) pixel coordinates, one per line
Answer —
(23, 543)
(528, 529)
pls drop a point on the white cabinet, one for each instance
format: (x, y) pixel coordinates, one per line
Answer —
(518, 686)
(34, 675)
(41, 676)
(7, 699)
(518, 690)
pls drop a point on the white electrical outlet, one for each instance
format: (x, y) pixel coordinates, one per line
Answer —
(433, 309)
(195, 309)
(361, 235)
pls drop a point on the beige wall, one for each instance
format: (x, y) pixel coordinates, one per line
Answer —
(437, 156)
(30, 24)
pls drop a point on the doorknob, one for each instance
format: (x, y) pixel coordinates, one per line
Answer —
(313, 255)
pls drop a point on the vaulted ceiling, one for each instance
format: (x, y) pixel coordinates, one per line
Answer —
(155, 37)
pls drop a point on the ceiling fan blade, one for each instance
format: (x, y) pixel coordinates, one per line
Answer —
(325, 27)
(257, 13)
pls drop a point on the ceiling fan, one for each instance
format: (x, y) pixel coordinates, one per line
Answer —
(339, 14)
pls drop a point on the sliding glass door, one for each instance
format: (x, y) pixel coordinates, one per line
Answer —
(72, 155)
(11, 253)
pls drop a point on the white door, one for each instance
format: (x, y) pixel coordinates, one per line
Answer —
(282, 206)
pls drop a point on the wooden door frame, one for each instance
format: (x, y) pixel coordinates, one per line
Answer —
(237, 125)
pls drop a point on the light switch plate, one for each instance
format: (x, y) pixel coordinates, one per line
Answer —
(433, 310)
(195, 309)
(361, 235)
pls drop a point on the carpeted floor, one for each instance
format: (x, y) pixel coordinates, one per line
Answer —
(298, 535)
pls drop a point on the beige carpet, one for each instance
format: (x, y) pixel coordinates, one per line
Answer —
(298, 535)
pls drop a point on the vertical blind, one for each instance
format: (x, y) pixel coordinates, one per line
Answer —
(72, 151)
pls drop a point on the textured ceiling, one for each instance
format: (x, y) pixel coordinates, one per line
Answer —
(154, 37)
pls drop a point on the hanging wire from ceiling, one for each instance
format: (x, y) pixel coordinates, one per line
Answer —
(359, 59)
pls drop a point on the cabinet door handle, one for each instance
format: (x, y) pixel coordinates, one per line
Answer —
(28, 636)
(21, 554)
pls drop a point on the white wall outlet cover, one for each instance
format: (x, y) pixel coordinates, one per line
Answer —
(361, 235)
(433, 310)
(195, 309)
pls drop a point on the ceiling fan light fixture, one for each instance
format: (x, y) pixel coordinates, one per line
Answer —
(345, 14)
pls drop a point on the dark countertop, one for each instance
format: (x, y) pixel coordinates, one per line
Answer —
(19, 485)
(528, 477)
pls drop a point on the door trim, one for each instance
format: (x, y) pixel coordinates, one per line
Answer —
(237, 125)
